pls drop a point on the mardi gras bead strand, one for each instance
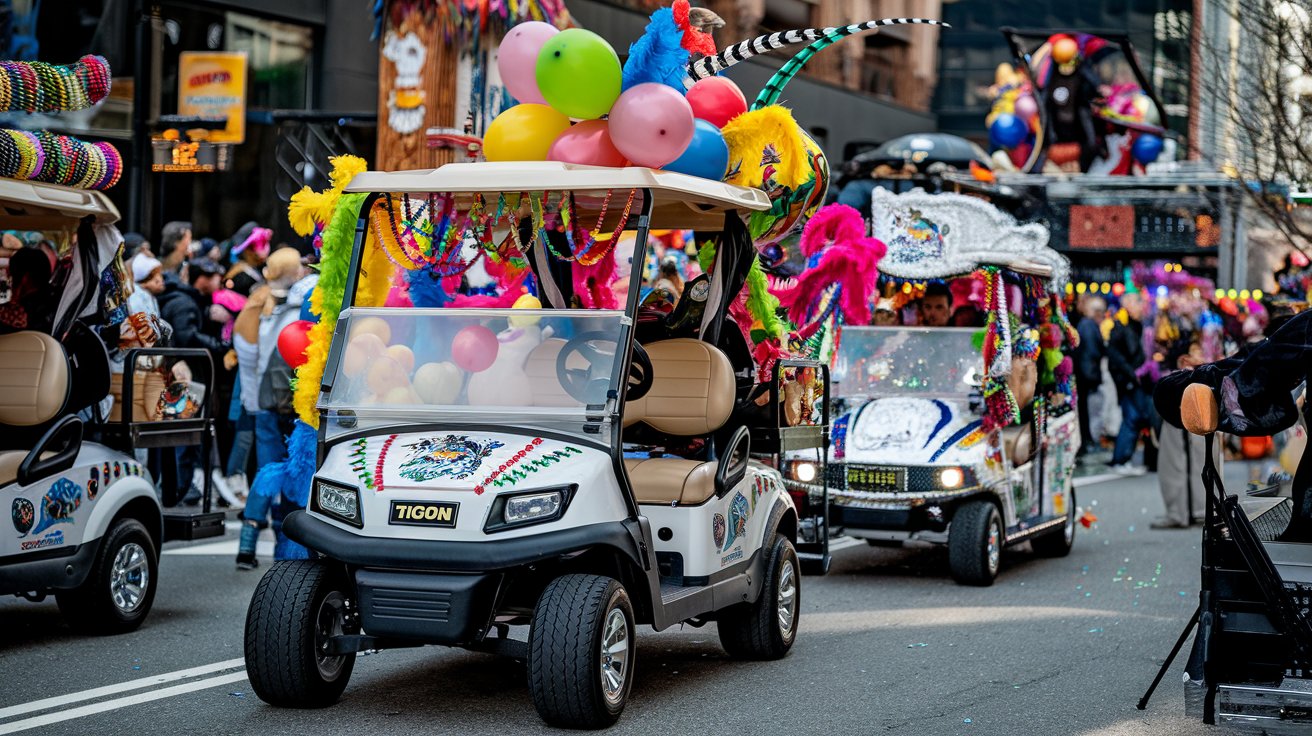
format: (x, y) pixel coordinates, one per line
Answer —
(35, 86)
(38, 155)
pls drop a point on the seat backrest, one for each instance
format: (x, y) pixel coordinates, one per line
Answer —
(33, 379)
(692, 390)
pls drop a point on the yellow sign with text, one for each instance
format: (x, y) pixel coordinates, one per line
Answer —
(213, 84)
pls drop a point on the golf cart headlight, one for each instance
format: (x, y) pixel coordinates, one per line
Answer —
(536, 506)
(338, 502)
(804, 471)
(951, 477)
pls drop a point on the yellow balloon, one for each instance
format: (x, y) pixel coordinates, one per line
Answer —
(523, 133)
(527, 301)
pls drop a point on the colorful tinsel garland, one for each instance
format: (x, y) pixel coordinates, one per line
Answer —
(466, 20)
(35, 86)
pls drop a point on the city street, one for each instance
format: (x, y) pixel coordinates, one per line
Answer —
(888, 643)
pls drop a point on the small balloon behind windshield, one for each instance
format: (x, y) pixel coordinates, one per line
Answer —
(901, 361)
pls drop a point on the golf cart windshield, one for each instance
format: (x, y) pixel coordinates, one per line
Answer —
(941, 362)
(476, 365)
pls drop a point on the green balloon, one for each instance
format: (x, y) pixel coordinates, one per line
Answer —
(579, 74)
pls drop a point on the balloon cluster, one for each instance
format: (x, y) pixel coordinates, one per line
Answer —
(577, 107)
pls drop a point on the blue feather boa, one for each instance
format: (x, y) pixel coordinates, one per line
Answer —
(658, 55)
(290, 480)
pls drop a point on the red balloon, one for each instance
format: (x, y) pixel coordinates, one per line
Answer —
(586, 143)
(474, 348)
(293, 342)
(716, 100)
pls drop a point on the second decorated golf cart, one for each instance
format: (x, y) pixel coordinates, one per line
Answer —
(958, 435)
(578, 470)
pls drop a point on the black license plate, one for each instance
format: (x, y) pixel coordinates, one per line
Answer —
(876, 478)
(424, 513)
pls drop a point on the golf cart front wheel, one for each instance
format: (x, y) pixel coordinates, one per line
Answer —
(580, 651)
(120, 588)
(767, 628)
(975, 540)
(298, 606)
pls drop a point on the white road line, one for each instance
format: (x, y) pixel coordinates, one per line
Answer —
(1089, 480)
(122, 687)
(108, 705)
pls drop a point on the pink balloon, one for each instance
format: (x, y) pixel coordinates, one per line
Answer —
(586, 143)
(517, 59)
(1026, 108)
(651, 124)
(474, 348)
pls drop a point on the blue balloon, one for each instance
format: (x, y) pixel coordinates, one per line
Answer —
(706, 156)
(306, 314)
(1147, 147)
(1008, 131)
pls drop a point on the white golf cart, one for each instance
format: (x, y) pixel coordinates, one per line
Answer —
(86, 523)
(937, 438)
(579, 471)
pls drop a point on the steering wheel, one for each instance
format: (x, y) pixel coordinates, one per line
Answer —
(580, 383)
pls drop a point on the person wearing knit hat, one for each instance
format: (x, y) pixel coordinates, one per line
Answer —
(148, 275)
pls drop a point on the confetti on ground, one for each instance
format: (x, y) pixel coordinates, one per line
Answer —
(1095, 631)
(966, 720)
(238, 694)
(1184, 594)
(1132, 527)
(917, 644)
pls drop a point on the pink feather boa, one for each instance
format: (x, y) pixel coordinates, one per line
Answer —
(848, 259)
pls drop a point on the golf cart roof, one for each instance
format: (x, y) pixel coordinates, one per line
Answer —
(681, 201)
(935, 236)
(33, 205)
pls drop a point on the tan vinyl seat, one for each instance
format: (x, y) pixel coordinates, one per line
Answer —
(33, 379)
(691, 395)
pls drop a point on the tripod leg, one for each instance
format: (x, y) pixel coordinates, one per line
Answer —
(1189, 627)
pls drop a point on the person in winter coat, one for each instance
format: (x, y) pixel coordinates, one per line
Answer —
(1088, 366)
(186, 306)
(1126, 360)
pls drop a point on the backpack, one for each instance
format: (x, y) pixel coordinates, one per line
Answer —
(275, 379)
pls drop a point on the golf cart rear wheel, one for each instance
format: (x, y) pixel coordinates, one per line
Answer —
(120, 588)
(580, 651)
(1058, 542)
(975, 540)
(297, 607)
(767, 628)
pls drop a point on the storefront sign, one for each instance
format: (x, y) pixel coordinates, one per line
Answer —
(213, 84)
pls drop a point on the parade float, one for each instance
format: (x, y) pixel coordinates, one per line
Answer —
(957, 435)
(86, 522)
(493, 435)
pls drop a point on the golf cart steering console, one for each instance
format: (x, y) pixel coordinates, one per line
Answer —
(598, 349)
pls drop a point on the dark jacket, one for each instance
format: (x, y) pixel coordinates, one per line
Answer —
(185, 310)
(1125, 355)
(1089, 355)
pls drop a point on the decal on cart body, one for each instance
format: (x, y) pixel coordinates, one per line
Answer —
(739, 512)
(495, 474)
(452, 456)
(382, 457)
(718, 527)
(24, 515)
(514, 475)
(58, 505)
(360, 462)
(53, 539)
(93, 483)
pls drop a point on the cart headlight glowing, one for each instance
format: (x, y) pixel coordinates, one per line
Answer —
(511, 510)
(339, 502)
(951, 477)
(804, 471)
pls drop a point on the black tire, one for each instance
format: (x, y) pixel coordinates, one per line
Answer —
(120, 589)
(573, 683)
(297, 604)
(758, 630)
(1058, 543)
(975, 540)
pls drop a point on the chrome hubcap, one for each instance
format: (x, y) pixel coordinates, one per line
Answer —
(995, 545)
(787, 598)
(329, 623)
(615, 655)
(129, 577)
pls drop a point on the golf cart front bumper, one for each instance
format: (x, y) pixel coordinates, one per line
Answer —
(440, 592)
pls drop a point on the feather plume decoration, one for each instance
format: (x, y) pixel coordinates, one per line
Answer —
(290, 479)
(326, 301)
(751, 133)
(658, 55)
(305, 211)
(345, 167)
(848, 261)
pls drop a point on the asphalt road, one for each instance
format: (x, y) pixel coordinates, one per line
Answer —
(888, 643)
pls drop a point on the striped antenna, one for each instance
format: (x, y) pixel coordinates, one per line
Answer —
(709, 66)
